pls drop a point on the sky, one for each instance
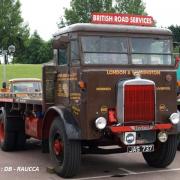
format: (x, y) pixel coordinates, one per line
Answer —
(43, 15)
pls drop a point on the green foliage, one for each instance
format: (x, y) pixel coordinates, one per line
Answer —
(37, 51)
(176, 39)
(21, 71)
(12, 29)
(80, 11)
(130, 7)
(176, 33)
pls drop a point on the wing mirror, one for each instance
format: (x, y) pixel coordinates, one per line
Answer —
(61, 42)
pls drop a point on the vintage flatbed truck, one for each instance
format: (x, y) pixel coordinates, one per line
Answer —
(110, 85)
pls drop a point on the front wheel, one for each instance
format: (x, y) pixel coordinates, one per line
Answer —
(65, 154)
(164, 154)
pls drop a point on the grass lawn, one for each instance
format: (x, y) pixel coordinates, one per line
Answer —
(21, 71)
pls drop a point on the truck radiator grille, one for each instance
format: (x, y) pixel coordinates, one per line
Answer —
(139, 103)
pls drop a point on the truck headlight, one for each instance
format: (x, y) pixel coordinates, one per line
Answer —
(174, 118)
(101, 123)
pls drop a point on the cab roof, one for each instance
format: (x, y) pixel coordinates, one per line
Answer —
(87, 27)
(24, 80)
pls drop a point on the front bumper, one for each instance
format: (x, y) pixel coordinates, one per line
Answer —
(117, 129)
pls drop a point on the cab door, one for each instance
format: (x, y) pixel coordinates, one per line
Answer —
(63, 75)
(75, 93)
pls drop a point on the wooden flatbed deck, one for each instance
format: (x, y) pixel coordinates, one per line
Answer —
(22, 98)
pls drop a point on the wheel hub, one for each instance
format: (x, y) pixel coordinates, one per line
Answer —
(1, 132)
(58, 147)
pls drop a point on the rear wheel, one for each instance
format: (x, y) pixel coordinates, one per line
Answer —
(178, 146)
(20, 140)
(1, 129)
(7, 139)
(20, 133)
(66, 154)
(164, 154)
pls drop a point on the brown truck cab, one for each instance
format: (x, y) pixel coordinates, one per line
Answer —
(111, 85)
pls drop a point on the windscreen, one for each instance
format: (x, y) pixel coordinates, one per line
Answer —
(105, 50)
(151, 51)
(26, 87)
(124, 50)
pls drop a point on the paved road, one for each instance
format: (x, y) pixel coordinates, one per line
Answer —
(127, 166)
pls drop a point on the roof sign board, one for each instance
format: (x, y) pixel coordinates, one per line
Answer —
(124, 19)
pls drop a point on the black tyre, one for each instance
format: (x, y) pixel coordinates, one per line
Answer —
(7, 139)
(164, 154)
(178, 146)
(65, 154)
(20, 133)
(20, 140)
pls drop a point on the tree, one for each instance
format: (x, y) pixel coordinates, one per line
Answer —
(176, 37)
(80, 11)
(38, 51)
(176, 32)
(12, 29)
(130, 7)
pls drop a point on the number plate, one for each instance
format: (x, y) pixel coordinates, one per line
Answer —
(142, 148)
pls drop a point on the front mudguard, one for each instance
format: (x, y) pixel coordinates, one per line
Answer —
(70, 124)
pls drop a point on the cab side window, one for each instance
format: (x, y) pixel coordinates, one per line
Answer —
(62, 56)
(75, 59)
(55, 55)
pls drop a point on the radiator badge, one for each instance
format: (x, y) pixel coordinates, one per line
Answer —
(137, 74)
